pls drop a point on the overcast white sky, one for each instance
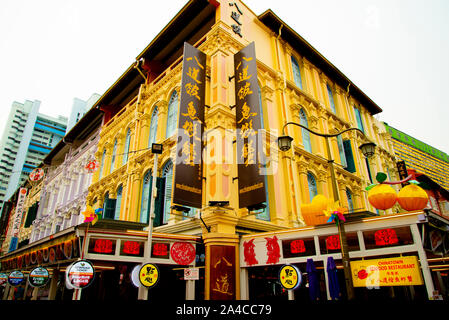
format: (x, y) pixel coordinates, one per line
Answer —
(397, 52)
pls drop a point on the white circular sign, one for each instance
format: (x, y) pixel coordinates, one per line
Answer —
(80, 274)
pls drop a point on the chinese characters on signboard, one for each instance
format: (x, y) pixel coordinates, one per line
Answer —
(222, 273)
(402, 170)
(188, 171)
(248, 120)
(235, 15)
(400, 271)
(17, 219)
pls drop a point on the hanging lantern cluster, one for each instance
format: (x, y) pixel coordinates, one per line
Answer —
(382, 196)
(36, 174)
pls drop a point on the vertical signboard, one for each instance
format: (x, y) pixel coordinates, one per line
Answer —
(402, 170)
(248, 120)
(188, 167)
(17, 219)
(222, 273)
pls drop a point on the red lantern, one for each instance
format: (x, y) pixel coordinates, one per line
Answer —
(297, 246)
(131, 247)
(103, 246)
(385, 237)
(333, 242)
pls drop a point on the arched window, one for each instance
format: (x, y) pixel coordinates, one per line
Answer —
(305, 134)
(118, 203)
(296, 73)
(167, 173)
(350, 202)
(126, 149)
(114, 155)
(341, 151)
(153, 127)
(311, 181)
(331, 98)
(172, 114)
(146, 197)
(103, 158)
(105, 202)
(358, 117)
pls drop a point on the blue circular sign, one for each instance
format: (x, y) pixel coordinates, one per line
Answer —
(15, 278)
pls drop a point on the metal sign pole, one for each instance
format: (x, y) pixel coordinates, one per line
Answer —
(143, 291)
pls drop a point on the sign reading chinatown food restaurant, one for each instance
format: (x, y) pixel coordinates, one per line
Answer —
(188, 180)
(400, 271)
(249, 122)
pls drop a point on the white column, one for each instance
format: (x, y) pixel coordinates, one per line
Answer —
(244, 287)
(423, 260)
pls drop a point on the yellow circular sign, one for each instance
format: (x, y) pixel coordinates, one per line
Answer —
(149, 275)
(290, 277)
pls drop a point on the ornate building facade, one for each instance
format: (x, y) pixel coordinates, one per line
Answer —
(296, 84)
(64, 190)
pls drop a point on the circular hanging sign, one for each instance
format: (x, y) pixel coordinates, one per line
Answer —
(36, 174)
(33, 257)
(3, 278)
(52, 254)
(68, 249)
(149, 275)
(20, 262)
(45, 254)
(290, 277)
(40, 257)
(15, 278)
(38, 277)
(80, 274)
(183, 253)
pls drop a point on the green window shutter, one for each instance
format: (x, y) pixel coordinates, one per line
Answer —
(159, 202)
(350, 164)
(31, 215)
(109, 208)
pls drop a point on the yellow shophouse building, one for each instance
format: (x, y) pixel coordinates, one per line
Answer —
(297, 84)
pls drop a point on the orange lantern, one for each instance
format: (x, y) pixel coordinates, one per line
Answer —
(382, 197)
(412, 197)
(312, 213)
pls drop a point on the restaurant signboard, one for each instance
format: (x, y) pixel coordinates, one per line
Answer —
(17, 219)
(399, 271)
(248, 122)
(188, 180)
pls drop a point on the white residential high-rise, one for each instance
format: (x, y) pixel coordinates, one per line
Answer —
(79, 108)
(28, 136)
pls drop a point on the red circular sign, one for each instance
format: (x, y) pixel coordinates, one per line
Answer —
(183, 253)
(36, 174)
(91, 166)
